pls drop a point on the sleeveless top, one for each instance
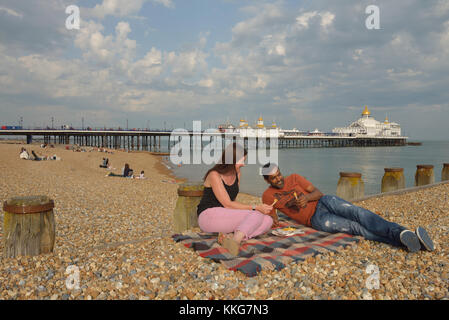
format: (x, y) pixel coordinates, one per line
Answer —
(210, 201)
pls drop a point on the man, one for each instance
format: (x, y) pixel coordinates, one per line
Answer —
(300, 200)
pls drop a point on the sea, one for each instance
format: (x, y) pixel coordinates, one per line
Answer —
(321, 166)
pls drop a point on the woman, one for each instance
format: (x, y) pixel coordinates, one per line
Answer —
(127, 171)
(219, 212)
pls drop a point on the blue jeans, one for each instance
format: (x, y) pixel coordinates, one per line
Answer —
(334, 215)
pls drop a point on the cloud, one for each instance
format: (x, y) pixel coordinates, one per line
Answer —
(305, 66)
(122, 8)
(11, 12)
(32, 26)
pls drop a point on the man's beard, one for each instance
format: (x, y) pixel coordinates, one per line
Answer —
(278, 186)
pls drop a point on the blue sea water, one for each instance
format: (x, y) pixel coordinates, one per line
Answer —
(321, 166)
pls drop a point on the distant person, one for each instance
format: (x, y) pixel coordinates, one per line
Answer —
(36, 157)
(24, 154)
(301, 201)
(127, 172)
(142, 175)
(105, 163)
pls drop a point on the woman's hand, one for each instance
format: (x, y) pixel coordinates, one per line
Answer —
(264, 208)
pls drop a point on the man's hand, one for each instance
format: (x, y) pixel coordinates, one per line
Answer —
(302, 201)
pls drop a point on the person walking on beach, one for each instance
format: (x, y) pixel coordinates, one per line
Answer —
(301, 201)
(219, 212)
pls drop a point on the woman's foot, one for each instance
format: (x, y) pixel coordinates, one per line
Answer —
(232, 245)
(222, 236)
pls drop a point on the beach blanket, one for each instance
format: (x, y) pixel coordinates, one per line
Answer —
(267, 252)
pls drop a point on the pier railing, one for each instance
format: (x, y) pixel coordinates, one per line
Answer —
(152, 139)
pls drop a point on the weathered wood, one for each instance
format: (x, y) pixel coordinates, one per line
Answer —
(424, 175)
(185, 215)
(445, 172)
(350, 186)
(28, 232)
(393, 179)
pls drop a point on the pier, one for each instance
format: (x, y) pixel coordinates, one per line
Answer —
(152, 140)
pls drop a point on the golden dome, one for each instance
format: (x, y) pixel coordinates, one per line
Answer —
(386, 120)
(260, 119)
(366, 112)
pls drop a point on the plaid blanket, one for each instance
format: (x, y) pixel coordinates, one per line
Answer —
(267, 251)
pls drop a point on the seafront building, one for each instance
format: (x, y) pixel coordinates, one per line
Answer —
(258, 130)
(367, 126)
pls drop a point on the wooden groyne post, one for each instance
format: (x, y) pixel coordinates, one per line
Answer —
(392, 180)
(445, 172)
(424, 174)
(28, 226)
(350, 186)
(185, 215)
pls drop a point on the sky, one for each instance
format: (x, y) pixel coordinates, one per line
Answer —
(165, 63)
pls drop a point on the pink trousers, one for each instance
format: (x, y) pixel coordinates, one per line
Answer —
(218, 219)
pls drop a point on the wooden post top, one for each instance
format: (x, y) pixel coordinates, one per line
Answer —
(191, 189)
(350, 174)
(394, 169)
(445, 164)
(28, 204)
(425, 166)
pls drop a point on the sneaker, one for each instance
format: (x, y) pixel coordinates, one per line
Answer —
(424, 238)
(410, 240)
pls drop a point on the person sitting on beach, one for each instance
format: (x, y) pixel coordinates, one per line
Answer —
(24, 154)
(36, 157)
(142, 175)
(300, 200)
(105, 163)
(219, 212)
(127, 172)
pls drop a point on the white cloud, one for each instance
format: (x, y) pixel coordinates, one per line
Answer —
(122, 8)
(119, 8)
(326, 19)
(186, 63)
(11, 12)
(106, 49)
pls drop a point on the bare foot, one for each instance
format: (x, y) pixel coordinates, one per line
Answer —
(232, 245)
(222, 236)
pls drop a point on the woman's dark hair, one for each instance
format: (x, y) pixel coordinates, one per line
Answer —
(126, 166)
(226, 165)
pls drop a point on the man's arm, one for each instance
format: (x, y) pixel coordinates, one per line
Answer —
(269, 200)
(313, 195)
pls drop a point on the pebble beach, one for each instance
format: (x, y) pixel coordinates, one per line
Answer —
(117, 232)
